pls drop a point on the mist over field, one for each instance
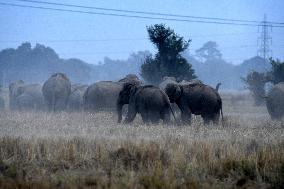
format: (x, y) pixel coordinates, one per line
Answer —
(141, 94)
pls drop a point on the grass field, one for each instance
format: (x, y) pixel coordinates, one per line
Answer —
(83, 150)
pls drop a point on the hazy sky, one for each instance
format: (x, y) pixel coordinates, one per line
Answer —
(92, 37)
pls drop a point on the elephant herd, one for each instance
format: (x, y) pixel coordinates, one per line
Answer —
(153, 103)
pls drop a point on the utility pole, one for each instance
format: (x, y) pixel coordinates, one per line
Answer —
(264, 40)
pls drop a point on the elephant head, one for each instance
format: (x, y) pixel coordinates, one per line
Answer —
(173, 91)
(130, 78)
(13, 88)
(124, 96)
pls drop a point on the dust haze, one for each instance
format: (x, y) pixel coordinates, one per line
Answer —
(160, 94)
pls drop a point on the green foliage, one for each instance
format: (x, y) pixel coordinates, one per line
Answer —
(255, 82)
(168, 61)
(277, 73)
(209, 51)
(35, 65)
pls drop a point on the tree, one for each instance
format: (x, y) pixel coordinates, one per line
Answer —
(277, 73)
(168, 61)
(208, 52)
(255, 82)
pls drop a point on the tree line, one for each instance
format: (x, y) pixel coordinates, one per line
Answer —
(172, 59)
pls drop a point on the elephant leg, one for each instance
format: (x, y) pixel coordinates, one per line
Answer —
(186, 117)
(145, 118)
(154, 116)
(206, 119)
(131, 113)
(166, 116)
(216, 118)
(185, 113)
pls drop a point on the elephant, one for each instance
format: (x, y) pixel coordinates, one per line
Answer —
(167, 80)
(275, 101)
(30, 97)
(150, 101)
(198, 99)
(13, 93)
(75, 101)
(103, 95)
(129, 78)
(56, 91)
(192, 81)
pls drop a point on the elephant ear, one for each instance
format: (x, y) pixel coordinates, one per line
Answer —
(173, 91)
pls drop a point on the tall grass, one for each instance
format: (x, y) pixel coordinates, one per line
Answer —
(82, 150)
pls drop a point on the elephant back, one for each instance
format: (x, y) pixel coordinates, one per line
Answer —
(190, 82)
(166, 81)
(200, 97)
(130, 78)
(102, 95)
(58, 85)
(56, 91)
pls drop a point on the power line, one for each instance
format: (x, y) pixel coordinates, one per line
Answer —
(133, 16)
(116, 39)
(143, 12)
(72, 40)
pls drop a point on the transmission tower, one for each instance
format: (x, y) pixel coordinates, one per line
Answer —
(264, 40)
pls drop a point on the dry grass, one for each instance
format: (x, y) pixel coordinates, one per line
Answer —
(81, 150)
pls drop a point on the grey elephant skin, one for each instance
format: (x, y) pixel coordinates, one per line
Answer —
(25, 96)
(149, 101)
(166, 80)
(198, 99)
(14, 93)
(30, 97)
(56, 91)
(75, 101)
(190, 82)
(103, 95)
(275, 101)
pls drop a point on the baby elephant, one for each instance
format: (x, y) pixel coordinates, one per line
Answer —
(151, 102)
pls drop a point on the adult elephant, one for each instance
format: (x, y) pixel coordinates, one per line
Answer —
(56, 91)
(14, 93)
(275, 101)
(75, 101)
(150, 101)
(30, 97)
(198, 99)
(103, 95)
(166, 80)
